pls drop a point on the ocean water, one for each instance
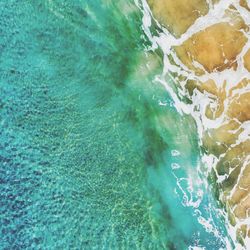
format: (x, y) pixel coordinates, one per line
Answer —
(93, 154)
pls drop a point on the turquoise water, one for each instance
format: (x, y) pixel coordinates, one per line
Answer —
(87, 152)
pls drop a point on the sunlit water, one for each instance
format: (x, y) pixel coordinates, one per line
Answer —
(93, 153)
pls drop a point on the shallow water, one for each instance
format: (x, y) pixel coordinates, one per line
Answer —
(93, 153)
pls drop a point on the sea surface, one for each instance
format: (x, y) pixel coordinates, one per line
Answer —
(93, 153)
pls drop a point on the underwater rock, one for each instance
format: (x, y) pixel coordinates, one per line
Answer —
(244, 4)
(247, 60)
(178, 15)
(212, 61)
(223, 40)
(216, 47)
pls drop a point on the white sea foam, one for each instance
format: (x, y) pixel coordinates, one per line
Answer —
(165, 41)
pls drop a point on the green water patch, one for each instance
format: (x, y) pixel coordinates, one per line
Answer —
(85, 160)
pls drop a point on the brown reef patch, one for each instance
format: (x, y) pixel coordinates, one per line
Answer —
(214, 48)
(247, 60)
(178, 15)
